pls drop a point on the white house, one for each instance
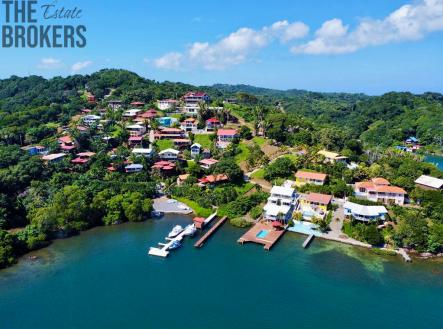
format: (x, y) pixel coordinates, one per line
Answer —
(132, 113)
(195, 149)
(280, 204)
(136, 130)
(143, 152)
(429, 183)
(208, 163)
(189, 124)
(52, 158)
(90, 119)
(380, 190)
(169, 154)
(132, 168)
(167, 104)
(115, 104)
(225, 137)
(365, 213)
(193, 100)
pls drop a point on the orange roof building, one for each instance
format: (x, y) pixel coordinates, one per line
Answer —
(380, 190)
(308, 177)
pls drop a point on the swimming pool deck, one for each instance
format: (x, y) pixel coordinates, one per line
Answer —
(268, 241)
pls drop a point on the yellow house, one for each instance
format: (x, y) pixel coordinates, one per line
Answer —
(307, 177)
(316, 201)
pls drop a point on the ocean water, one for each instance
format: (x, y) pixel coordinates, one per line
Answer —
(435, 159)
(105, 279)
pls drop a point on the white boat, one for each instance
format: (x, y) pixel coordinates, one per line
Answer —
(174, 245)
(175, 231)
(190, 230)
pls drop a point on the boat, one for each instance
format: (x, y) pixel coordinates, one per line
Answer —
(174, 245)
(156, 213)
(175, 231)
(190, 230)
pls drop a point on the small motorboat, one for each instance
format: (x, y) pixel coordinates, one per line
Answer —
(174, 245)
(156, 213)
(190, 230)
(175, 231)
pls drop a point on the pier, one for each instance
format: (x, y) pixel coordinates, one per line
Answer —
(308, 241)
(214, 228)
(263, 233)
(164, 250)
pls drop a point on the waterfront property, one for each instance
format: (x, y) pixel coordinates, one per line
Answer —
(380, 190)
(308, 177)
(365, 213)
(314, 205)
(264, 233)
(429, 183)
(281, 204)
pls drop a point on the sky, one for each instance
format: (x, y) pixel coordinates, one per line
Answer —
(335, 46)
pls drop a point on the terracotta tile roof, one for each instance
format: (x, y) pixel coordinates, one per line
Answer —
(319, 198)
(380, 181)
(226, 132)
(310, 175)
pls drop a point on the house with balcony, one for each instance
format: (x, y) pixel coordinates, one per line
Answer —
(35, 150)
(115, 104)
(196, 149)
(332, 157)
(67, 144)
(213, 124)
(83, 158)
(308, 177)
(131, 114)
(53, 158)
(208, 163)
(365, 213)
(133, 168)
(189, 124)
(225, 137)
(148, 153)
(167, 104)
(136, 130)
(380, 190)
(169, 155)
(90, 119)
(281, 204)
(193, 100)
(315, 205)
(169, 133)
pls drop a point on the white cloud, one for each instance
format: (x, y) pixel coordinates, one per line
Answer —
(234, 49)
(49, 63)
(76, 67)
(408, 23)
(169, 61)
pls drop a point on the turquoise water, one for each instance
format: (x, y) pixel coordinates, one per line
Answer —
(434, 159)
(262, 234)
(104, 279)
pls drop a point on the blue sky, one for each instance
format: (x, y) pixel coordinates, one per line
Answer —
(353, 46)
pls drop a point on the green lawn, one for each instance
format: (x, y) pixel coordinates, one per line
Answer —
(244, 153)
(291, 157)
(259, 174)
(164, 144)
(199, 211)
(203, 140)
(260, 141)
(245, 188)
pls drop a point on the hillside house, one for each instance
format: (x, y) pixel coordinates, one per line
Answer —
(380, 190)
(193, 100)
(213, 124)
(167, 104)
(189, 124)
(429, 183)
(169, 154)
(307, 177)
(195, 150)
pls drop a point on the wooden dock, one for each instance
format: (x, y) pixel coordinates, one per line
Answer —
(405, 255)
(253, 235)
(214, 228)
(308, 241)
